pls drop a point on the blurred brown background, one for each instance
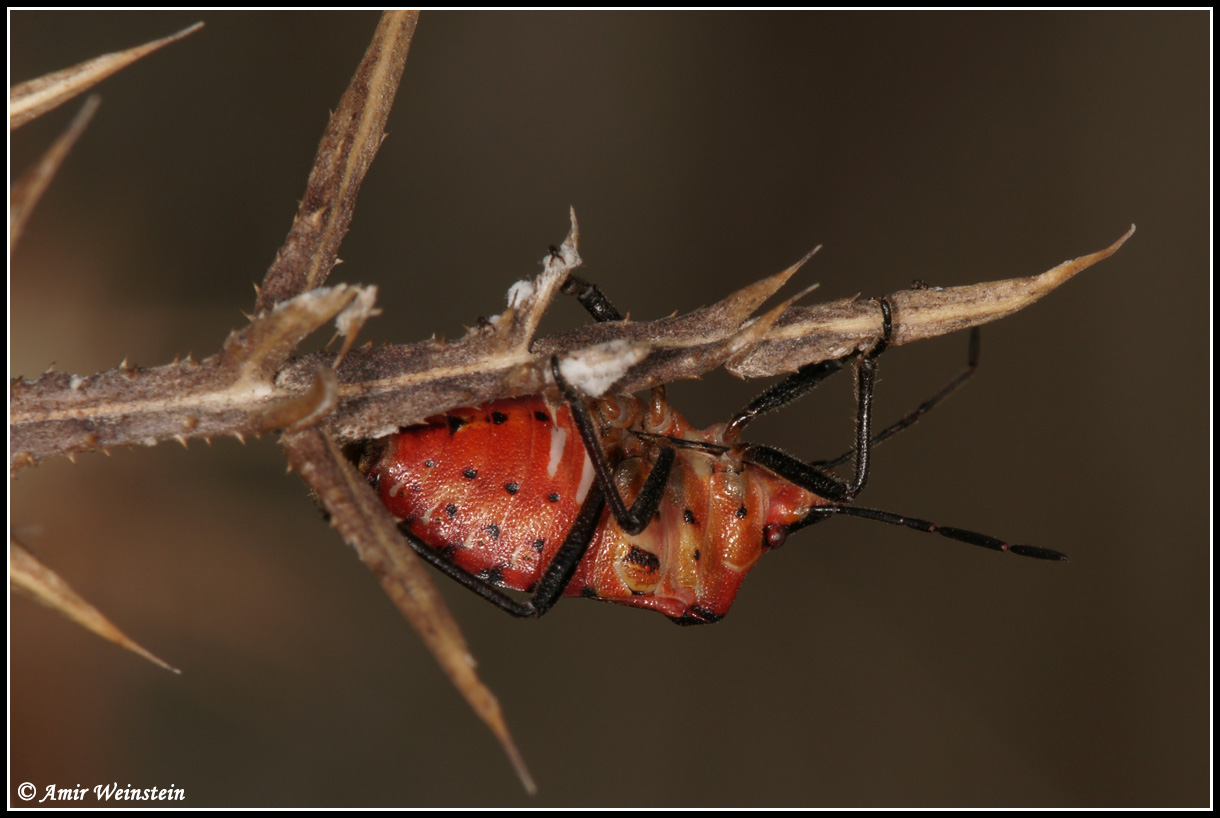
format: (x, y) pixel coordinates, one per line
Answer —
(862, 664)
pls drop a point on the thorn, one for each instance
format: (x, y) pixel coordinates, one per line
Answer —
(208, 440)
(257, 291)
(123, 364)
(106, 452)
(181, 440)
(240, 437)
(72, 456)
(574, 234)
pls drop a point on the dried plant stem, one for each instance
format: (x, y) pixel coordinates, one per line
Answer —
(32, 99)
(367, 526)
(26, 573)
(382, 388)
(29, 188)
(353, 135)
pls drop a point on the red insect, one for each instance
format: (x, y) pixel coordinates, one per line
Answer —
(532, 493)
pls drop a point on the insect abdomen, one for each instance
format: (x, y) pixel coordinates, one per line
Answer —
(495, 488)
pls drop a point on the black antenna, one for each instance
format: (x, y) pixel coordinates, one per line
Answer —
(959, 534)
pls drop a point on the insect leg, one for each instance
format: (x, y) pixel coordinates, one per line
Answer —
(806, 378)
(555, 579)
(464, 578)
(814, 476)
(782, 393)
(563, 565)
(972, 362)
(866, 375)
(632, 520)
(591, 298)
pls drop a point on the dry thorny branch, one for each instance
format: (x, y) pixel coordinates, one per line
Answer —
(321, 402)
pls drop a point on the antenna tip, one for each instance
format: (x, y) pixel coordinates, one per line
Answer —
(1038, 553)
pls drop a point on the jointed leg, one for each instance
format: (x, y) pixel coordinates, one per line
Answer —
(555, 579)
(591, 298)
(635, 519)
(866, 375)
(781, 394)
(812, 476)
(632, 520)
(816, 478)
(972, 362)
(563, 565)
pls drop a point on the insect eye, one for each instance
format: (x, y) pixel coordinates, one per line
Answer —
(774, 535)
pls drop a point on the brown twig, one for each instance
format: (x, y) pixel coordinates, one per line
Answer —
(32, 99)
(27, 574)
(353, 135)
(359, 516)
(231, 393)
(382, 388)
(29, 188)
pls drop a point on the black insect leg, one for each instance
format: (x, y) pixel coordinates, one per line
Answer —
(596, 303)
(563, 565)
(783, 393)
(813, 476)
(632, 520)
(972, 363)
(805, 379)
(554, 580)
(466, 579)
(866, 376)
(591, 298)
(819, 481)
(816, 477)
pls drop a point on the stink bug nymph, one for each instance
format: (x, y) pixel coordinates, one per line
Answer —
(623, 500)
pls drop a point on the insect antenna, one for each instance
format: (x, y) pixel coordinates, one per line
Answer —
(959, 534)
